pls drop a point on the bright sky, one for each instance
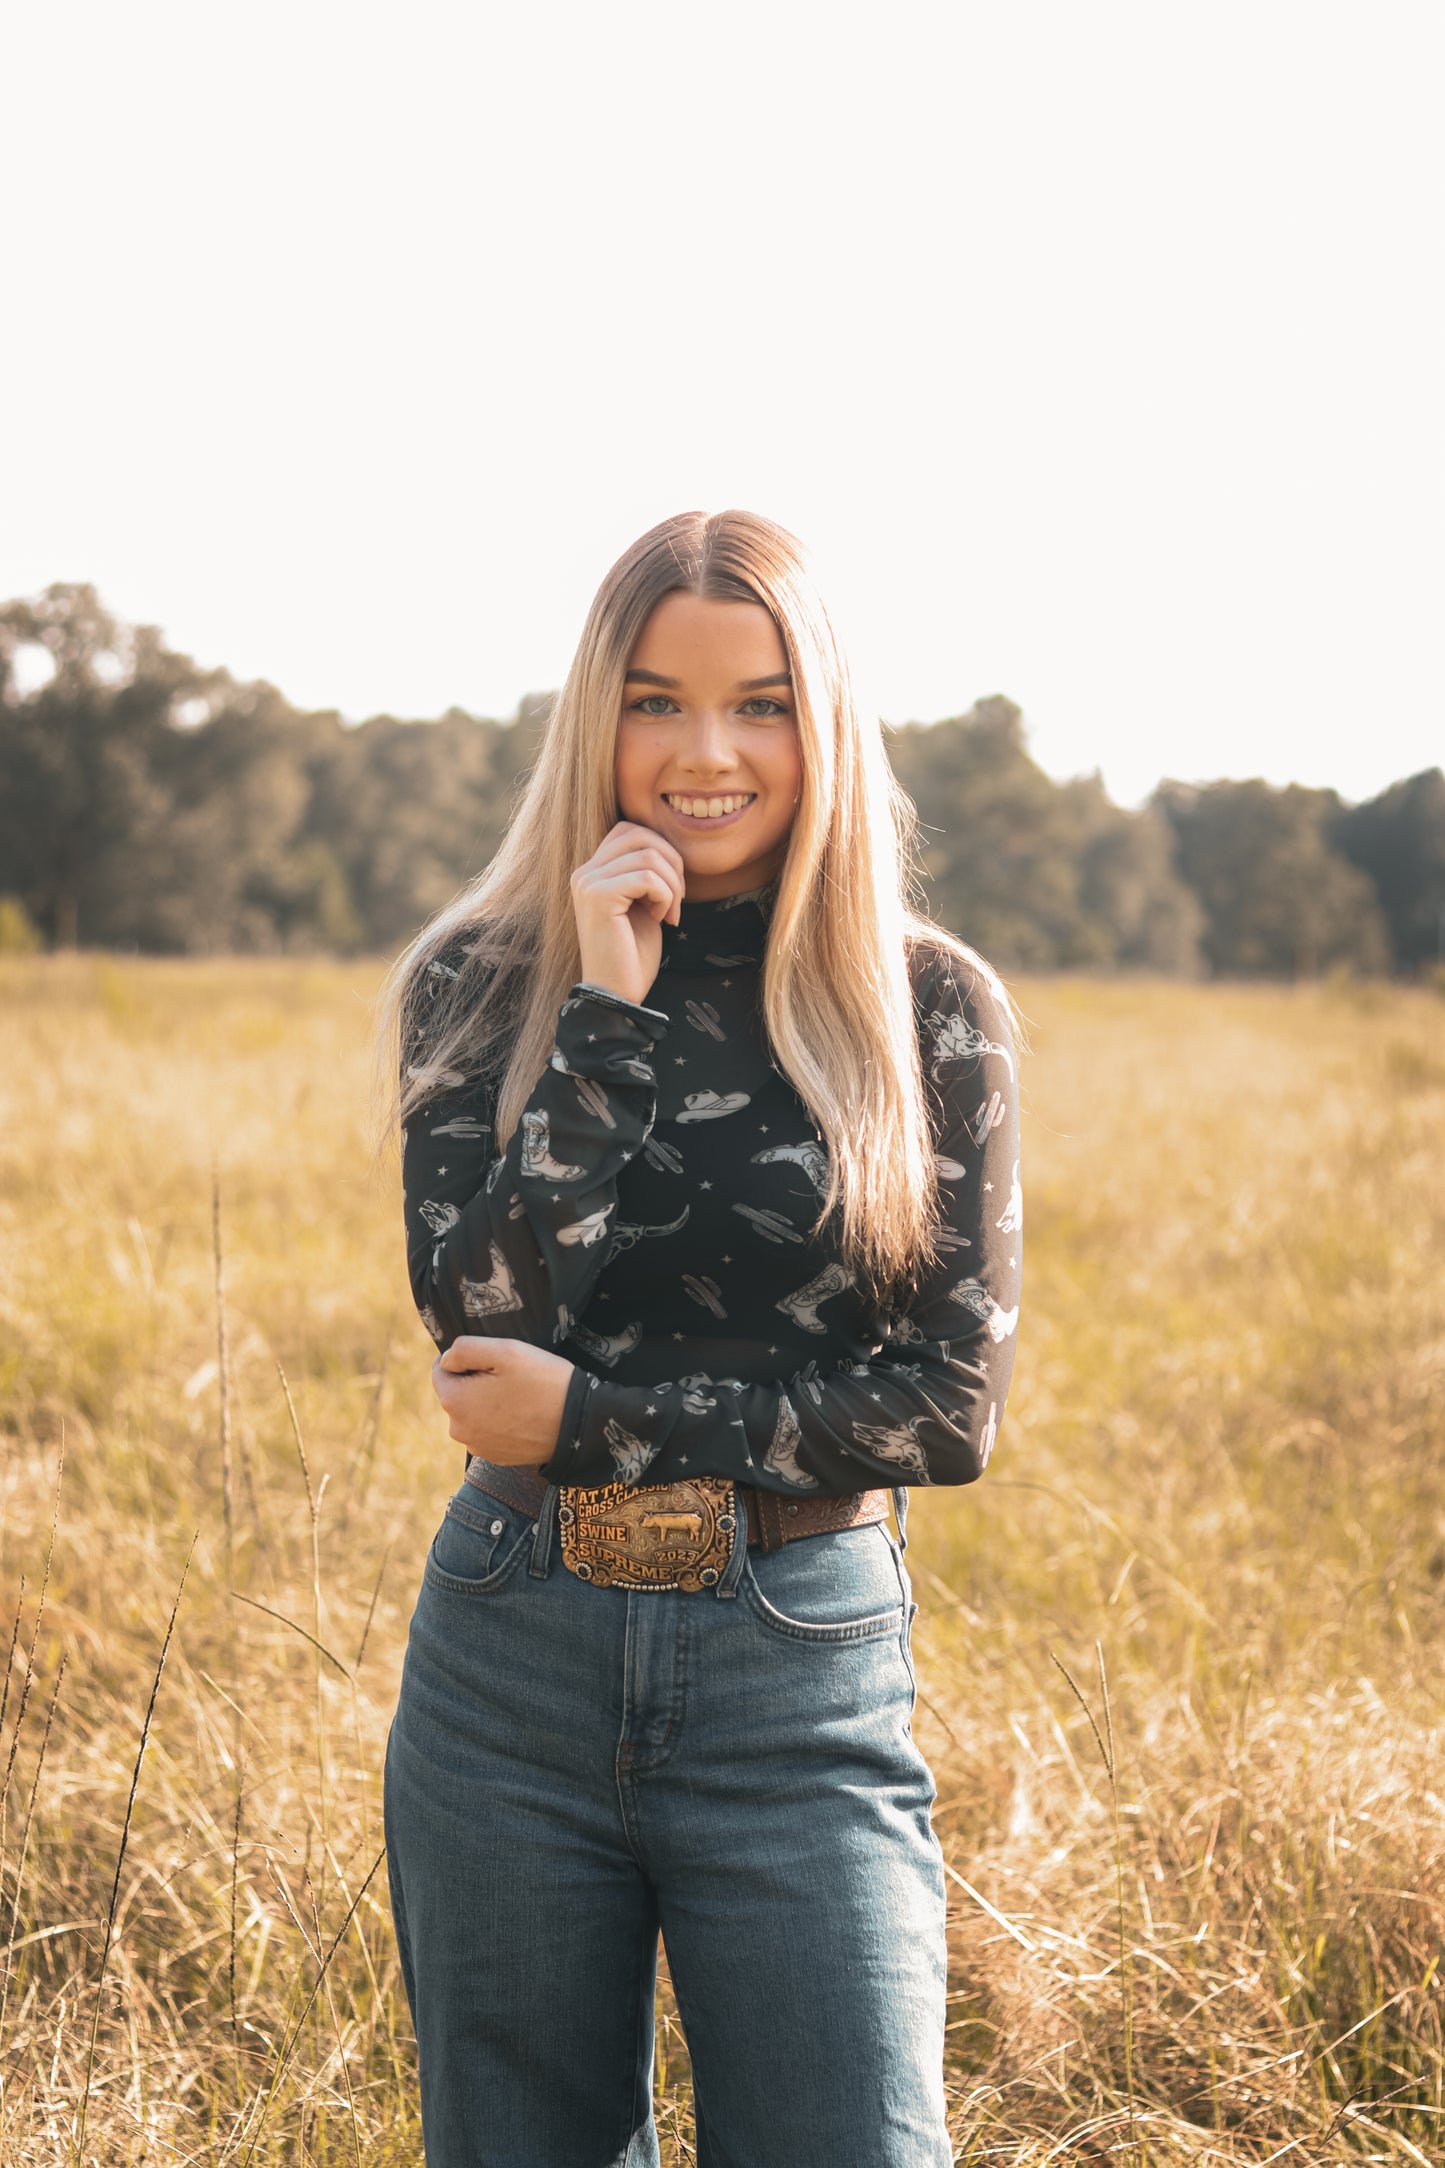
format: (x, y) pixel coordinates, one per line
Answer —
(1096, 350)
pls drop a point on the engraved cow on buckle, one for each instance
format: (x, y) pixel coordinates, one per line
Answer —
(655, 1535)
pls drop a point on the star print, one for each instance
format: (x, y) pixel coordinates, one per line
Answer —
(590, 1037)
(1013, 1260)
(704, 1185)
(682, 1460)
(772, 1351)
(677, 1336)
(875, 1396)
(651, 1411)
(678, 1060)
(728, 1260)
(988, 1186)
(727, 982)
(441, 1170)
(556, 1198)
(763, 1127)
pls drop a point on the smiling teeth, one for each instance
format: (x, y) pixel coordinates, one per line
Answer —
(708, 808)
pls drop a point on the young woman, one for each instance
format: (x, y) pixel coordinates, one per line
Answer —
(710, 1159)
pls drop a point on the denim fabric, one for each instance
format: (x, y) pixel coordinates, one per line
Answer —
(572, 1769)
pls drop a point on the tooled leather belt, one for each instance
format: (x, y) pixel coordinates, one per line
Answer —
(772, 1520)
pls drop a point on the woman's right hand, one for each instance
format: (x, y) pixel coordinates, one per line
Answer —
(631, 883)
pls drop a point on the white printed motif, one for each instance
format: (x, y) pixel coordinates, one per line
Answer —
(632, 1456)
(811, 1157)
(895, 1442)
(770, 1225)
(631, 1065)
(537, 1159)
(990, 1432)
(606, 1347)
(990, 1113)
(974, 1296)
(802, 1305)
(594, 1100)
(625, 1235)
(439, 1217)
(710, 1106)
(665, 1157)
(781, 1457)
(1013, 1212)
(703, 1016)
(695, 1401)
(589, 1229)
(444, 1079)
(493, 1297)
(956, 1039)
(462, 1125)
(705, 1290)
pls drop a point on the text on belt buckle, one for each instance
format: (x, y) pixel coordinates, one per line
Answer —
(659, 1535)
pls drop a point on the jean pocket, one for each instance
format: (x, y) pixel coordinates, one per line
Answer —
(478, 1544)
(845, 1586)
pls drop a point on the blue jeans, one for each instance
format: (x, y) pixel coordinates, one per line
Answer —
(572, 1770)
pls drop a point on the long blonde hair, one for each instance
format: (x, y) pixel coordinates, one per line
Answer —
(837, 1000)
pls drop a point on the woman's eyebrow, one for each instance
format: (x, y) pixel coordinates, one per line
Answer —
(747, 685)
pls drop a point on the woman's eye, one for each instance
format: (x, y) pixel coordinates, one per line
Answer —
(765, 706)
(651, 704)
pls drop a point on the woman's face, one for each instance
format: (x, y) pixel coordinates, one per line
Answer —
(708, 718)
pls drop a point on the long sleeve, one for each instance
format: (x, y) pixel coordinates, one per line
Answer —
(926, 1408)
(511, 1245)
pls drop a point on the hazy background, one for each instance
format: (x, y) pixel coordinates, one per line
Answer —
(1096, 351)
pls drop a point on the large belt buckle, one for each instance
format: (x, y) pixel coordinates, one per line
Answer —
(659, 1535)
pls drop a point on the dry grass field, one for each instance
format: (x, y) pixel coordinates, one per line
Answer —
(1204, 1923)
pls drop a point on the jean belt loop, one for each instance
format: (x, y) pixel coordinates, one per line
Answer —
(900, 1507)
(541, 1564)
(732, 1572)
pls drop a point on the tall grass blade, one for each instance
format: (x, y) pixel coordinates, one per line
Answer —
(79, 2145)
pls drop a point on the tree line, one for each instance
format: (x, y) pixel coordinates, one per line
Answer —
(149, 805)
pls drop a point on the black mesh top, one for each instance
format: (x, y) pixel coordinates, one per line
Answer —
(649, 1220)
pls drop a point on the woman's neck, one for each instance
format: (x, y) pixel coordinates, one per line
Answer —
(720, 933)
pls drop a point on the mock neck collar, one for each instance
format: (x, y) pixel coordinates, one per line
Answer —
(720, 933)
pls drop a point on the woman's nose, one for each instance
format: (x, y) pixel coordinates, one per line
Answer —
(709, 738)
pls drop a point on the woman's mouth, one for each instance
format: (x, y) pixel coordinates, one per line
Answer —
(715, 811)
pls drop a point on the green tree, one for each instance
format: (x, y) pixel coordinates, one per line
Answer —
(1039, 875)
(1278, 900)
(82, 814)
(409, 811)
(1398, 840)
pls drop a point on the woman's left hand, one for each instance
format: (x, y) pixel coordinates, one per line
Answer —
(504, 1398)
